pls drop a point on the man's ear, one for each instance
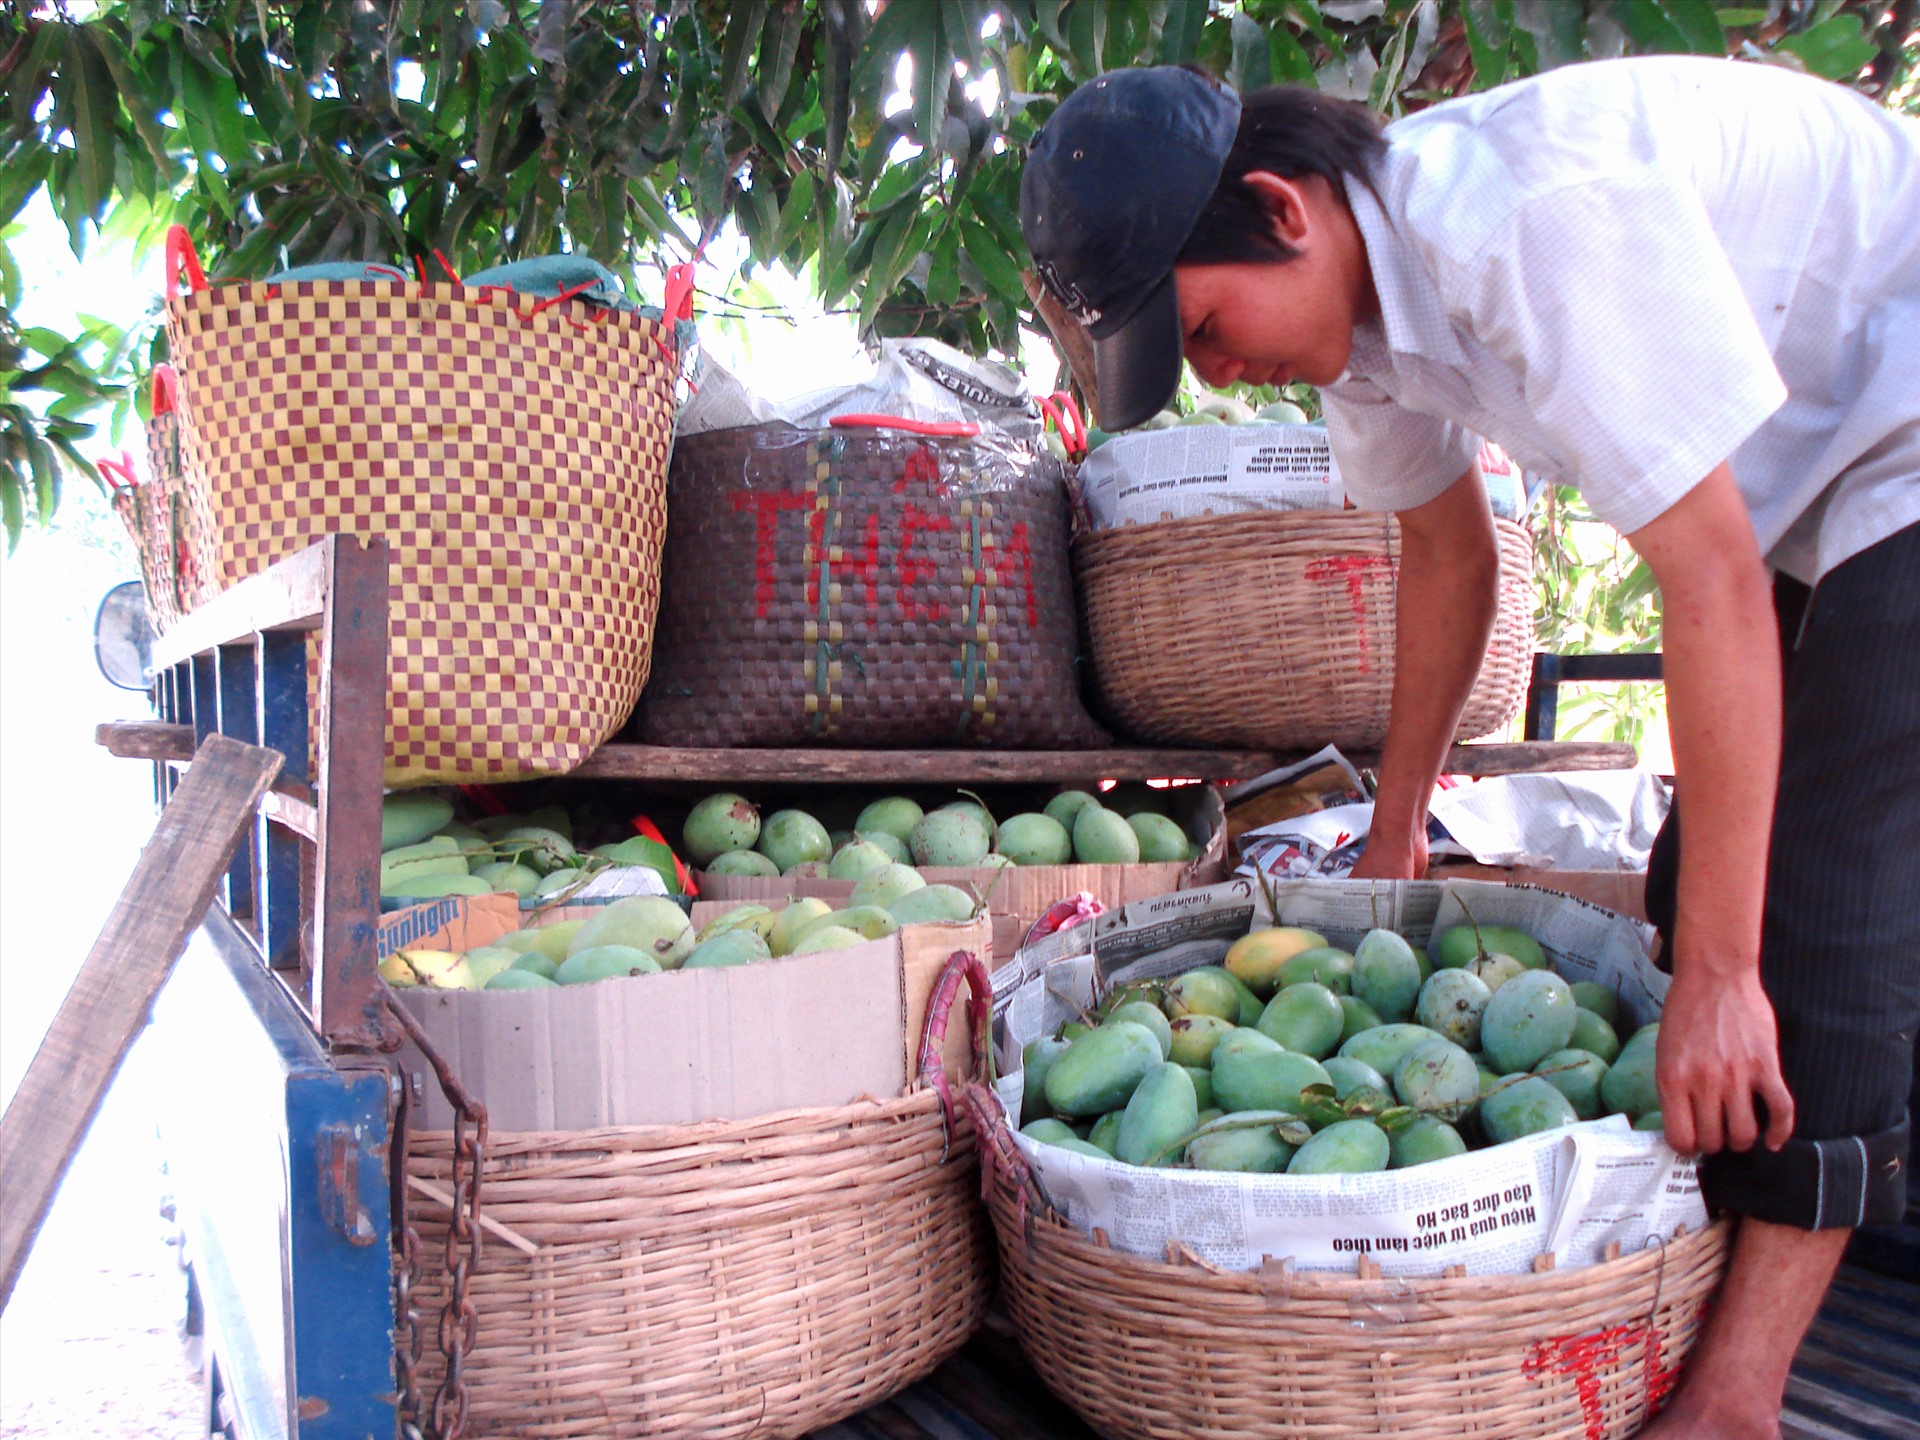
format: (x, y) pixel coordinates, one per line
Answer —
(1286, 203)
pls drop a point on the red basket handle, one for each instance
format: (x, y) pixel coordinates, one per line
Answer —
(1060, 408)
(166, 389)
(122, 468)
(181, 255)
(961, 429)
(962, 967)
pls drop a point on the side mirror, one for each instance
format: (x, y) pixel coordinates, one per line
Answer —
(123, 637)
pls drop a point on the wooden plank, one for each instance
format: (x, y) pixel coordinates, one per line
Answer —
(145, 740)
(823, 766)
(291, 595)
(114, 992)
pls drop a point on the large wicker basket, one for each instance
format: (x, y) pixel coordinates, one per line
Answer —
(760, 1277)
(1178, 1348)
(1273, 630)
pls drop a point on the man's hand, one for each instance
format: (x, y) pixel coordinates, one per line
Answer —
(1399, 858)
(1718, 1048)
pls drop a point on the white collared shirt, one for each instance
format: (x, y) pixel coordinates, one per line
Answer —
(1626, 272)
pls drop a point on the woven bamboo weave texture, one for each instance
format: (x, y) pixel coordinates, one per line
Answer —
(1177, 1350)
(864, 588)
(762, 1277)
(515, 462)
(171, 528)
(1274, 631)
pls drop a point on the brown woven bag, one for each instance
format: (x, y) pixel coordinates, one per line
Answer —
(512, 453)
(167, 518)
(1146, 1348)
(863, 586)
(1274, 630)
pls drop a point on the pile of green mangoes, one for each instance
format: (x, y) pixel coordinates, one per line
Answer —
(1213, 410)
(425, 853)
(1296, 1056)
(726, 835)
(645, 935)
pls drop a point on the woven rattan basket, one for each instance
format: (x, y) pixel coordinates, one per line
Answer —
(1177, 1348)
(1273, 630)
(511, 451)
(759, 1277)
(172, 531)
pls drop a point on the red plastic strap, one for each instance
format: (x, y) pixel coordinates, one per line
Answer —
(122, 467)
(1060, 408)
(651, 831)
(166, 389)
(484, 798)
(963, 429)
(678, 304)
(181, 255)
(962, 966)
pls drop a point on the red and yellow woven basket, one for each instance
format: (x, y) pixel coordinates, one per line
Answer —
(513, 454)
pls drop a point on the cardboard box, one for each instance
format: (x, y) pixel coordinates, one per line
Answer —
(688, 1045)
(1017, 895)
(1622, 891)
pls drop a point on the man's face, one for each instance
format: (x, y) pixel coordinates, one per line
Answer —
(1264, 324)
(1276, 322)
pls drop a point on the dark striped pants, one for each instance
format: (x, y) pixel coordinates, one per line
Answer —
(1840, 947)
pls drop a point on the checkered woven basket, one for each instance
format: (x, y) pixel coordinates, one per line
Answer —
(168, 519)
(512, 453)
(881, 583)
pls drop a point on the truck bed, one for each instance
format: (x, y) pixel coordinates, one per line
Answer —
(1857, 1378)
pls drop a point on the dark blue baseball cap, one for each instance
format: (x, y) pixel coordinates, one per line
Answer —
(1114, 183)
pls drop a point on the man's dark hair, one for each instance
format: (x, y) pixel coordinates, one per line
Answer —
(1290, 131)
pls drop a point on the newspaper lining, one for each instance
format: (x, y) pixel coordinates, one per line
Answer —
(1571, 1193)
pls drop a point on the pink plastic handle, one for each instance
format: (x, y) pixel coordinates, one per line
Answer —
(118, 473)
(961, 429)
(166, 389)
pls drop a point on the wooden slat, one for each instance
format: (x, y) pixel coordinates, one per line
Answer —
(114, 991)
(291, 595)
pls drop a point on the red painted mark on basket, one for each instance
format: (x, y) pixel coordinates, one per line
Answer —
(1583, 1356)
(1354, 569)
(1020, 548)
(767, 507)
(865, 567)
(922, 464)
(913, 570)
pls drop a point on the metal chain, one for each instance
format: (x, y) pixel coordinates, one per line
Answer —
(459, 1322)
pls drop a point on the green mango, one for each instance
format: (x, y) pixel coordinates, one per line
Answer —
(1323, 965)
(1255, 958)
(1236, 1143)
(1036, 1059)
(514, 978)
(1101, 1069)
(604, 962)
(1206, 990)
(738, 946)
(1346, 1147)
(1035, 839)
(534, 963)
(1082, 1147)
(1102, 837)
(1576, 1074)
(1356, 1015)
(1048, 1132)
(538, 848)
(1253, 1079)
(1451, 1003)
(434, 887)
(1602, 1000)
(1527, 1106)
(950, 836)
(1306, 1018)
(1202, 1077)
(1386, 976)
(1244, 1038)
(508, 877)
(1149, 1015)
(1349, 1075)
(1065, 806)
(1593, 1034)
(1193, 1038)
(1160, 839)
(1426, 1139)
(1437, 1077)
(895, 815)
(1384, 1046)
(822, 938)
(1652, 1120)
(719, 823)
(410, 817)
(1458, 946)
(932, 904)
(436, 855)
(549, 940)
(743, 862)
(651, 924)
(1630, 1087)
(857, 858)
(1162, 1111)
(793, 837)
(1106, 1132)
(1530, 1016)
